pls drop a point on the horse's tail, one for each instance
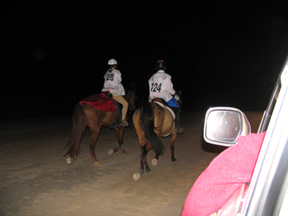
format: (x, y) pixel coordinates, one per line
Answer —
(147, 123)
(78, 128)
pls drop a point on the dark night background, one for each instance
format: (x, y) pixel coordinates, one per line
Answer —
(219, 53)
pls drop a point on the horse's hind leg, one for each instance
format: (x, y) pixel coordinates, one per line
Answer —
(143, 156)
(92, 144)
(95, 119)
(119, 131)
(172, 147)
(155, 160)
(78, 129)
(143, 161)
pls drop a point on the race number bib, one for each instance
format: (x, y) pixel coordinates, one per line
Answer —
(110, 77)
(156, 87)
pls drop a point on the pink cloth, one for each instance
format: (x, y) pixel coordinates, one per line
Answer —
(100, 101)
(223, 176)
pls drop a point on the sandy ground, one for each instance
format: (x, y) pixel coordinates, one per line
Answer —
(35, 179)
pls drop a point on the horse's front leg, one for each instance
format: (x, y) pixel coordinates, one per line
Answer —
(172, 144)
(119, 131)
(92, 144)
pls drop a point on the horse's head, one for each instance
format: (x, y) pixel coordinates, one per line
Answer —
(131, 98)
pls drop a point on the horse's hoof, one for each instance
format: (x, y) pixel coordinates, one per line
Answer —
(110, 152)
(173, 160)
(154, 161)
(148, 170)
(96, 163)
(136, 176)
(141, 170)
(180, 130)
(69, 160)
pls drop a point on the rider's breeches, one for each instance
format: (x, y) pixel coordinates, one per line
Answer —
(124, 103)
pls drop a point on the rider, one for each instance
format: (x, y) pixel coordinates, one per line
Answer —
(112, 84)
(160, 86)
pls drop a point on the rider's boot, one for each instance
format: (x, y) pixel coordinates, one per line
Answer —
(124, 123)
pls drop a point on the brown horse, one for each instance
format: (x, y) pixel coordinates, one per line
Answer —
(153, 121)
(86, 115)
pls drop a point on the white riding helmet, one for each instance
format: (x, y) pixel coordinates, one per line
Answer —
(112, 62)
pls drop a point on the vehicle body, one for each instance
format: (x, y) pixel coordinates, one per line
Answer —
(267, 193)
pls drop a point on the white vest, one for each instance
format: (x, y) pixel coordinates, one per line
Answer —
(160, 86)
(112, 82)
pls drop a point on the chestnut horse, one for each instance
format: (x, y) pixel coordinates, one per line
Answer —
(152, 121)
(85, 115)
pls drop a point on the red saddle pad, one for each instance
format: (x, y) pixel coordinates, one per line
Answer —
(100, 101)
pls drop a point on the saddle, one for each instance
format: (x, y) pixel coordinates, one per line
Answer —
(163, 104)
(103, 101)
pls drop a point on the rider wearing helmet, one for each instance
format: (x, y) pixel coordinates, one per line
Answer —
(112, 84)
(160, 86)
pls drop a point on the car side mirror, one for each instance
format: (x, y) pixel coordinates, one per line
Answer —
(223, 126)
